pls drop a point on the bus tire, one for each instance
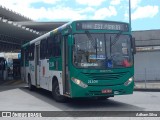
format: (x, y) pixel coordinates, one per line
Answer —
(56, 93)
(30, 86)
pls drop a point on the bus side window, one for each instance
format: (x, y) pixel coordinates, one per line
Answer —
(31, 52)
(43, 47)
(22, 56)
(57, 46)
(47, 49)
(27, 53)
(50, 46)
(54, 46)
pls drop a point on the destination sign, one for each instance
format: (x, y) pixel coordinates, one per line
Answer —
(102, 26)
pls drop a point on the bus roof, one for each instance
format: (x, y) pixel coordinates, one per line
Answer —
(61, 28)
(47, 34)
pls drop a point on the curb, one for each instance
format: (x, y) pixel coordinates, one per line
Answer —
(11, 82)
(147, 89)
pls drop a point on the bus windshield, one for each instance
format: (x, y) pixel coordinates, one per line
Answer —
(101, 51)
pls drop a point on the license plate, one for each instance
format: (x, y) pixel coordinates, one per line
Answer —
(106, 91)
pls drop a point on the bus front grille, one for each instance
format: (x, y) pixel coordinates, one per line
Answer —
(105, 76)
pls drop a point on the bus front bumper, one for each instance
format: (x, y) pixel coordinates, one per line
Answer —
(98, 91)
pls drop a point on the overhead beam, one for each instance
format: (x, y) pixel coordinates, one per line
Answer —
(11, 15)
(41, 26)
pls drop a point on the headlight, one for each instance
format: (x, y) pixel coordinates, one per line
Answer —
(79, 82)
(128, 81)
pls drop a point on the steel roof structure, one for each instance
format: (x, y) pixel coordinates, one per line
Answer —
(11, 15)
(16, 29)
(41, 26)
(12, 35)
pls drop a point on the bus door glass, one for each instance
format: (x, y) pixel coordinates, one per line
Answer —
(23, 74)
(65, 69)
(37, 66)
(2, 67)
(26, 62)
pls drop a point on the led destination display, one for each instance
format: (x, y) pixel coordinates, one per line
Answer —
(102, 26)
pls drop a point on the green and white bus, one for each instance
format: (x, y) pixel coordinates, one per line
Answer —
(81, 59)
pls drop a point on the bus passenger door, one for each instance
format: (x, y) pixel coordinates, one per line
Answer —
(37, 65)
(23, 69)
(65, 66)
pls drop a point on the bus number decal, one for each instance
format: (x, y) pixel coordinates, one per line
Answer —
(93, 81)
(51, 64)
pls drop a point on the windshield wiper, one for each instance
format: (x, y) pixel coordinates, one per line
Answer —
(116, 38)
(93, 42)
(90, 39)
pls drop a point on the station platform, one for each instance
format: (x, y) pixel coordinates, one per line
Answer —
(147, 86)
(10, 82)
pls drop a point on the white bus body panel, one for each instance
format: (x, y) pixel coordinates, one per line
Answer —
(26, 70)
(47, 75)
(32, 72)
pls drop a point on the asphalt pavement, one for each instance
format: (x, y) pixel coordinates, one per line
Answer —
(16, 97)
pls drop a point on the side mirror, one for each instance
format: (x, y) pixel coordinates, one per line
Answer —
(133, 45)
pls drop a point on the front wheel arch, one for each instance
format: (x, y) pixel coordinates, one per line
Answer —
(56, 91)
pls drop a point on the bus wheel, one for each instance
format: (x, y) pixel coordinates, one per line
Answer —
(30, 86)
(56, 93)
